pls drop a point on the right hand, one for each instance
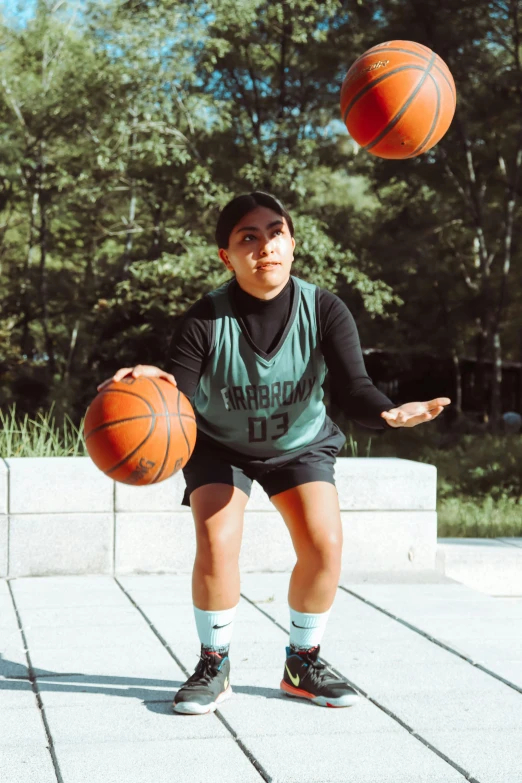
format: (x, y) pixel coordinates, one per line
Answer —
(141, 369)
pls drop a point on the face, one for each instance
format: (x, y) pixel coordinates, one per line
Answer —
(260, 251)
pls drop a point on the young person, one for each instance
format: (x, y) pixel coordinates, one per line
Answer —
(252, 356)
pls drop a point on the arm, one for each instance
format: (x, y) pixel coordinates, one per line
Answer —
(190, 346)
(359, 399)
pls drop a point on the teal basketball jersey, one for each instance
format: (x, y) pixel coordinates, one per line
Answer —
(258, 406)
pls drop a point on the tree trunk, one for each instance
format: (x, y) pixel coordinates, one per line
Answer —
(72, 346)
(24, 298)
(156, 248)
(480, 372)
(457, 401)
(130, 226)
(132, 205)
(43, 294)
(496, 400)
(89, 279)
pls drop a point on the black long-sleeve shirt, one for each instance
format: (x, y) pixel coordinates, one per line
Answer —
(265, 321)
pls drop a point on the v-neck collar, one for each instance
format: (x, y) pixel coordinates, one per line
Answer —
(267, 357)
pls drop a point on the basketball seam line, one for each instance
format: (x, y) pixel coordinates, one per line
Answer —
(128, 456)
(369, 86)
(183, 429)
(422, 57)
(419, 147)
(103, 426)
(166, 409)
(437, 66)
(398, 116)
(121, 391)
(152, 415)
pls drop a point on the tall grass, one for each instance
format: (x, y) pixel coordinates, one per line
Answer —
(40, 437)
(462, 517)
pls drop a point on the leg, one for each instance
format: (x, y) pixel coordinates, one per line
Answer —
(218, 511)
(311, 513)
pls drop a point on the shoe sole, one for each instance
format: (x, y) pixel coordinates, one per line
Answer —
(193, 708)
(322, 701)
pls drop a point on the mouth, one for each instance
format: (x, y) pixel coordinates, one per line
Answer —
(268, 267)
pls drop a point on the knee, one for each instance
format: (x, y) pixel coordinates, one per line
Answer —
(323, 554)
(217, 548)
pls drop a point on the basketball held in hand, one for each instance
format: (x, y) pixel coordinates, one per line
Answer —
(398, 99)
(140, 430)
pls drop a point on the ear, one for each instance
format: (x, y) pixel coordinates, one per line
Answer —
(222, 253)
(293, 243)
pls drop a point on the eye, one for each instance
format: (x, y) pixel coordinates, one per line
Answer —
(248, 236)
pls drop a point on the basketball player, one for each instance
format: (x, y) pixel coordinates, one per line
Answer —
(252, 356)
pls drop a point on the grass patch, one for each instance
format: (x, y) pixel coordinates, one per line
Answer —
(40, 437)
(469, 518)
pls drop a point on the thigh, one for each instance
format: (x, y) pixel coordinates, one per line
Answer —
(211, 464)
(218, 511)
(312, 514)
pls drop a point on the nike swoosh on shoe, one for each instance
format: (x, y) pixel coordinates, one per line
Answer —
(295, 680)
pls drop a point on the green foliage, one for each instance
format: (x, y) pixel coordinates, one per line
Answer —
(480, 468)
(123, 135)
(479, 518)
(470, 466)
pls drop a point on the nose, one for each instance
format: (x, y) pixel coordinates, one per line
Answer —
(266, 247)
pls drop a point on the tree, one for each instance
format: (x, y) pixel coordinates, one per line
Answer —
(474, 170)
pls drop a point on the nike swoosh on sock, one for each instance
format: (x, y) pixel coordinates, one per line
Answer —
(221, 626)
(304, 627)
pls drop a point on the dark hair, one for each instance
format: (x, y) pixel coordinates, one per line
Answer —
(236, 209)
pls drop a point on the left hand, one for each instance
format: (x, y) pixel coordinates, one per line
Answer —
(412, 413)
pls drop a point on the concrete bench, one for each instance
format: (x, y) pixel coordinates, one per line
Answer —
(61, 515)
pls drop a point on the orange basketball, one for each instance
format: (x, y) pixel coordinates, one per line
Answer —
(140, 430)
(398, 99)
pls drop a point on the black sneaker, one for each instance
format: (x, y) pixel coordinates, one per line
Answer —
(207, 687)
(305, 677)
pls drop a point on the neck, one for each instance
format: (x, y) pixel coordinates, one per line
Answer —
(262, 293)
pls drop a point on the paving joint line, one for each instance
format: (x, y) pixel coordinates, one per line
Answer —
(434, 640)
(34, 684)
(8, 514)
(507, 543)
(113, 554)
(384, 709)
(255, 763)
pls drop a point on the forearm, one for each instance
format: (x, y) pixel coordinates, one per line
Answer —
(364, 403)
(352, 389)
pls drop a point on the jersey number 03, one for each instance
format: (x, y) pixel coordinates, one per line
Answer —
(258, 427)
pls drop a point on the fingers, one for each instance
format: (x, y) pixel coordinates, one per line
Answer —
(145, 370)
(438, 401)
(116, 377)
(149, 371)
(401, 419)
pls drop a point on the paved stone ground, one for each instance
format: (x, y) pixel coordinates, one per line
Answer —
(86, 685)
(490, 565)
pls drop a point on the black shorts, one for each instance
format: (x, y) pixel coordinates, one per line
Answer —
(212, 463)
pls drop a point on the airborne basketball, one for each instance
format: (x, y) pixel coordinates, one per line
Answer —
(398, 99)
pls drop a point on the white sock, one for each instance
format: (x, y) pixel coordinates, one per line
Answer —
(215, 628)
(306, 630)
